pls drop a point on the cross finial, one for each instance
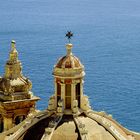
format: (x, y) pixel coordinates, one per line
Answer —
(69, 34)
(13, 43)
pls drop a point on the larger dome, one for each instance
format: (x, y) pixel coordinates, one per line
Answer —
(88, 125)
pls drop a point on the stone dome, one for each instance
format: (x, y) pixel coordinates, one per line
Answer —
(69, 61)
(69, 65)
(88, 125)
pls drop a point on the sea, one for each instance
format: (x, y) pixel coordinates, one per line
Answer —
(106, 38)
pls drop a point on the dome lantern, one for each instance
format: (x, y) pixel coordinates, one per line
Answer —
(68, 76)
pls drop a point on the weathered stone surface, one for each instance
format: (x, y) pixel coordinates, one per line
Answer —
(16, 99)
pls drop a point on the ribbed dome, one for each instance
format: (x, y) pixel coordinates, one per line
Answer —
(84, 126)
(69, 65)
(69, 61)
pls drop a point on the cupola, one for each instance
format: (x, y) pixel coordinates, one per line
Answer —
(68, 76)
(13, 84)
(16, 98)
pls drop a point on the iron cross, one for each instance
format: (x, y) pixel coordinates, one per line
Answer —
(69, 34)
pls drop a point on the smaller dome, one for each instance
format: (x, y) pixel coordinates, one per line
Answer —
(69, 65)
(69, 61)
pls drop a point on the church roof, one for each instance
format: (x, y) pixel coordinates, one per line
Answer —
(89, 125)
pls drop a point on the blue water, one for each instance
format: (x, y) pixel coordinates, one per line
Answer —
(106, 39)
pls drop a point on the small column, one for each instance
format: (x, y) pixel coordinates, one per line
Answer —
(63, 93)
(55, 87)
(81, 91)
(73, 93)
(1, 124)
(8, 123)
(55, 92)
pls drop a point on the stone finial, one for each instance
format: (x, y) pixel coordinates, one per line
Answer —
(60, 107)
(85, 103)
(13, 42)
(13, 80)
(69, 48)
(51, 104)
(13, 66)
(13, 57)
(75, 106)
